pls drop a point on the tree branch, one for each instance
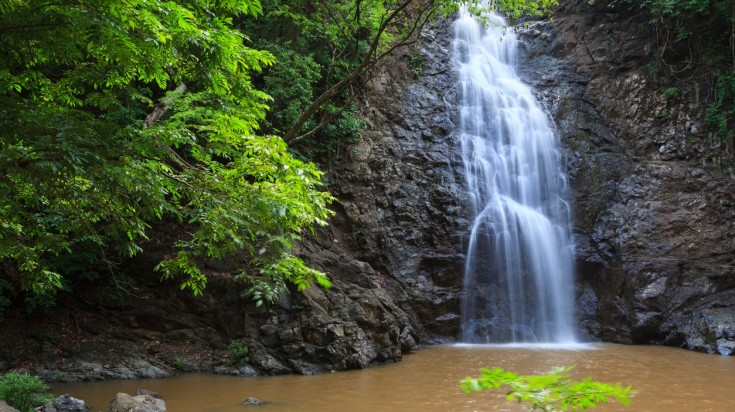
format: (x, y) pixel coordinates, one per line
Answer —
(161, 109)
(425, 10)
(156, 115)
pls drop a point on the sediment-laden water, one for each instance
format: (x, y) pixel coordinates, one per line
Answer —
(667, 380)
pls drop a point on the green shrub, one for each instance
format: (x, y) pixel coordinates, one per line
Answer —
(671, 92)
(239, 350)
(555, 391)
(23, 391)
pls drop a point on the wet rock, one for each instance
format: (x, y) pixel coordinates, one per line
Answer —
(144, 369)
(712, 330)
(69, 403)
(260, 357)
(140, 403)
(394, 247)
(246, 370)
(408, 342)
(127, 368)
(252, 401)
(148, 393)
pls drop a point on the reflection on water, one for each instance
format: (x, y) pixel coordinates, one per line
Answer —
(667, 380)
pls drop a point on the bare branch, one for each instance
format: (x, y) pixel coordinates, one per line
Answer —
(160, 110)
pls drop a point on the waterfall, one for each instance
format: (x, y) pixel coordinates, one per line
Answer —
(518, 284)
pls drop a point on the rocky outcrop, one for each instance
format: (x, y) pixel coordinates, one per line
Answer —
(252, 401)
(401, 208)
(66, 403)
(139, 403)
(393, 250)
(124, 368)
(653, 214)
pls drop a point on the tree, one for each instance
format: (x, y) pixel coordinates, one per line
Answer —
(347, 38)
(117, 114)
(555, 391)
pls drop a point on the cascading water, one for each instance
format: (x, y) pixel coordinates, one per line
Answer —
(518, 284)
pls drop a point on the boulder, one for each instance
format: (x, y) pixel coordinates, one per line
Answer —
(149, 393)
(139, 403)
(68, 403)
(252, 401)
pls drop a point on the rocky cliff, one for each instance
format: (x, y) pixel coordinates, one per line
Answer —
(653, 219)
(654, 212)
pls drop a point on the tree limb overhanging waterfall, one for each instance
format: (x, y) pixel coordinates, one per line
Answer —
(518, 284)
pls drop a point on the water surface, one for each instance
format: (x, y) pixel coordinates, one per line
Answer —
(668, 380)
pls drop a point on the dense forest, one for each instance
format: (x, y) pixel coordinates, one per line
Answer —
(211, 116)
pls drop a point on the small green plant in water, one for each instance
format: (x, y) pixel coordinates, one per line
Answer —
(554, 391)
(23, 391)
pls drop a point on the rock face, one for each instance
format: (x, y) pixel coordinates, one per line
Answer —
(653, 217)
(401, 208)
(393, 250)
(653, 214)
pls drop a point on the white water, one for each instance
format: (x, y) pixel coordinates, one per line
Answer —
(518, 284)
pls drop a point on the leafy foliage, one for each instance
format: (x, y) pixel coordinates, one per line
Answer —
(117, 114)
(721, 115)
(338, 43)
(555, 391)
(23, 391)
(239, 350)
(516, 9)
(266, 290)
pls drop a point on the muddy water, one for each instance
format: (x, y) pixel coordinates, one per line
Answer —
(667, 380)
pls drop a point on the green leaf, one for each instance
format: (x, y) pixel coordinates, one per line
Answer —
(554, 391)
